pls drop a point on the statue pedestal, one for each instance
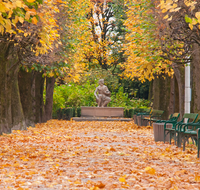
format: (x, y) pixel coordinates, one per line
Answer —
(102, 112)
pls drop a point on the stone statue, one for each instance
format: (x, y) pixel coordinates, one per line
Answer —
(103, 96)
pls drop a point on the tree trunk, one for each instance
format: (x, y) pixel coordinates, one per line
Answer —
(38, 88)
(150, 95)
(25, 87)
(14, 103)
(18, 120)
(50, 81)
(180, 76)
(5, 126)
(161, 94)
(172, 96)
(11, 114)
(195, 68)
(156, 93)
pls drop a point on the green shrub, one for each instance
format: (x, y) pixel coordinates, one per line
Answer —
(131, 113)
(78, 112)
(65, 113)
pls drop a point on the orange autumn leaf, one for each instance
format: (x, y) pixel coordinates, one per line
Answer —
(34, 20)
(197, 178)
(100, 185)
(150, 170)
(121, 179)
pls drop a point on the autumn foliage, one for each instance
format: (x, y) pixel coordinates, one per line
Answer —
(94, 155)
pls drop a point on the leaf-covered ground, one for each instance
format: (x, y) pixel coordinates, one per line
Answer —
(94, 155)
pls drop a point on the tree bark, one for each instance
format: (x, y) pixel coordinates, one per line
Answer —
(180, 76)
(172, 96)
(195, 68)
(37, 92)
(161, 94)
(156, 93)
(50, 81)
(18, 120)
(5, 126)
(11, 114)
(150, 95)
(13, 97)
(25, 87)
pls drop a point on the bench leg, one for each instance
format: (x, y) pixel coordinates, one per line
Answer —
(164, 135)
(174, 137)
(170, 137)
(179, 139)
(184, 141)
(198, 147)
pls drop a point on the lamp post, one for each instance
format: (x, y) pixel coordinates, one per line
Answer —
(187, 89)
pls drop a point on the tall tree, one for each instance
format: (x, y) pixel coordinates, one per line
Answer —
(96, 35)
(26, 34)
(181, 42)
(142, 43)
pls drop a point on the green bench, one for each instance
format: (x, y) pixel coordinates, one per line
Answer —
(145, 112)
(198, 142)
(189, 133)
(155, 115)
(182, 131)
(172, 118)
(180, 127)
(189, 117)
(191, 130)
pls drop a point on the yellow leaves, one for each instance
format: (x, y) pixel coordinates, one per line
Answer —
(11, 173)
(98, 185)
(15, 20)
(150, 170)
(47, 17)
(3, 8)
(171, 6)
(30, 1)
(47, 158)
(41, 15)
(177, 9)
(197, 15)
(8, 8)
(191, 26)
(190, 3)
(19, 4)
(27, 16)
(21, 19)
(168, 149)
(7, 25)
(30, 12)
(194, 21)
(168, 5)
(122, 179)
(14, 14)
(142, 50)
(197, 177)
(166, 17)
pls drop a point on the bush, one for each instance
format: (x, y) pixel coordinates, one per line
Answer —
(66, 113)
(78, 112)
